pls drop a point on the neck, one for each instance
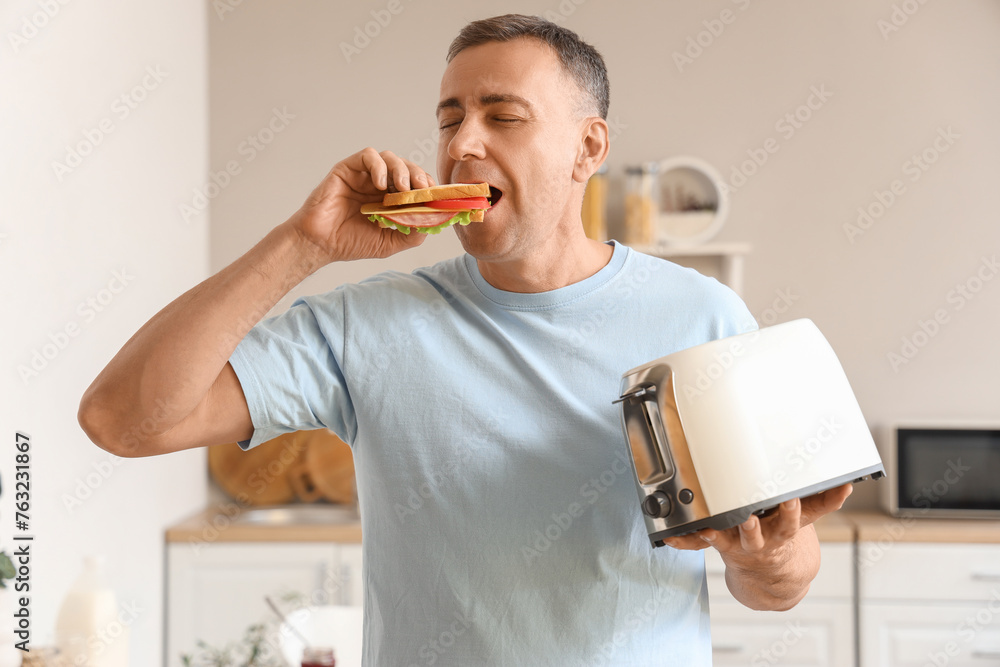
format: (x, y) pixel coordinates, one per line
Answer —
(559, 262)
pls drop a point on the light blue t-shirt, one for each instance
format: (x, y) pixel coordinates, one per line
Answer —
(499, 512)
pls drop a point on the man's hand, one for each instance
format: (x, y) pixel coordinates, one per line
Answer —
(331, 219)
(770, 560)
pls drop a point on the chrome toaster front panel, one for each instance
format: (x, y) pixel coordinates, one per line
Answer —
(669, 490)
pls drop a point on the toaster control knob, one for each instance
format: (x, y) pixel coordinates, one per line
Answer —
(656, 505)
(685, 496)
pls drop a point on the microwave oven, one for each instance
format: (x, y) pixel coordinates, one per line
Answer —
(943, 470)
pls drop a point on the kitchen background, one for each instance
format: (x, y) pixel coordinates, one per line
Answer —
(116, 116)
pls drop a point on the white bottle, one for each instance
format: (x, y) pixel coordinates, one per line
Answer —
(88, 630)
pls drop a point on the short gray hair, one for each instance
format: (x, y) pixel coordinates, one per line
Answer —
(580, 60)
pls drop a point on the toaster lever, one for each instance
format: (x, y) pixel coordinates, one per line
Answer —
(635, 393)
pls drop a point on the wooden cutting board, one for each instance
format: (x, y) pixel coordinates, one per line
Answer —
(303, 466)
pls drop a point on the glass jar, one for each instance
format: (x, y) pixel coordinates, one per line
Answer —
(318, 657)
(594, 213)
(641, 206)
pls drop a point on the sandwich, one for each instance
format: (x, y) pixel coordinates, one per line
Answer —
(429, 210)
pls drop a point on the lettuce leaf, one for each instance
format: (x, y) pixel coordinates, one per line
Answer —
(460, 218)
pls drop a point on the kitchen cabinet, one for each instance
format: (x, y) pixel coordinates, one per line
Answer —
(929, 604)
(216, 590)
(818, 631)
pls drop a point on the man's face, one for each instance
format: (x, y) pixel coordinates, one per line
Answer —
(509, 116)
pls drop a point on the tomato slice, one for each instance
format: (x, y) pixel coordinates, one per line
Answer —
(464, 204)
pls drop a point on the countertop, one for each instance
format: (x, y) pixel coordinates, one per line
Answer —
(226, 524)
(877, 526)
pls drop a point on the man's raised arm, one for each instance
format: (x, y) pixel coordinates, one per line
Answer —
(171, 386)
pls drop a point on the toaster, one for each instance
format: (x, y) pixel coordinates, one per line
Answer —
(733, 427)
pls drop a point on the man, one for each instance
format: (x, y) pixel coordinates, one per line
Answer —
(499, 515)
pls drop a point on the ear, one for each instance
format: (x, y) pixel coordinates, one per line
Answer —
(594, 147)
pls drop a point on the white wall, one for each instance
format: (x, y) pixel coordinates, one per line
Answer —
(890, 95)
(62, 240)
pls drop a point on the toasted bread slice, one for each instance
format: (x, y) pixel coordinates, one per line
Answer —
(435, 192)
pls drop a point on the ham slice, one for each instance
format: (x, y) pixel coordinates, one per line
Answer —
(415, 219)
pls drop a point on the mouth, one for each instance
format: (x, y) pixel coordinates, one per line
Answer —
(495, 195)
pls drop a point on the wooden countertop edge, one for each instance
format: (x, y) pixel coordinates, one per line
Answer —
(878, 526)
(212, 525)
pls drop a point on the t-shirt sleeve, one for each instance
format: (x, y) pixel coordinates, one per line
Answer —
(733, 315)
(291, 370)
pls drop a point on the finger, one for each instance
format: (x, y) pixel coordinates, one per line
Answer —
(375, 165)
(687, 542)
(751, 535)
(399, 170)
(815, 506)
(722, 540)
(782, 525)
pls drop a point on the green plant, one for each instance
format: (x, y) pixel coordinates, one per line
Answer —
(252, 651)
(7, 569)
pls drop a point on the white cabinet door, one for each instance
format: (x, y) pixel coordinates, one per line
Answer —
(818, 631)
(815, 634)
(928, 572)
(917, 635)
(215, 592)
(352, 584)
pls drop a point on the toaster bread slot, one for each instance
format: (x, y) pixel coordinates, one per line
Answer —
(645, 429)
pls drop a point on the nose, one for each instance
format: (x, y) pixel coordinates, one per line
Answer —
(467, 142)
